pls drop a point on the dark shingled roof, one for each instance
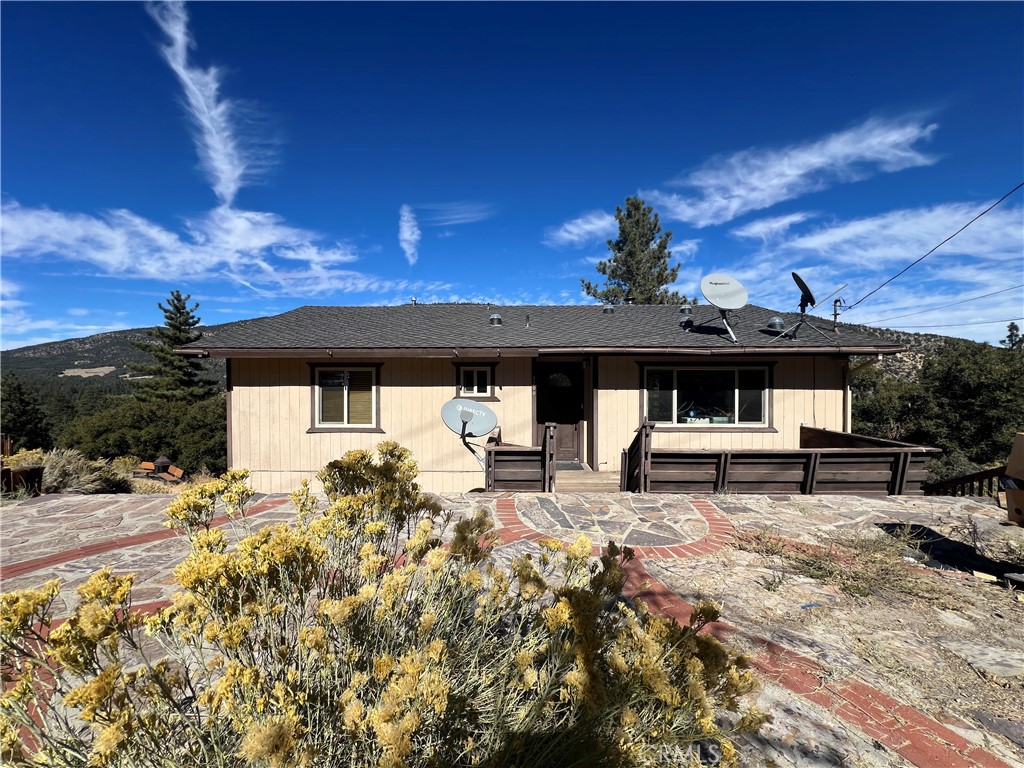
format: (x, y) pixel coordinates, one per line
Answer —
(466, 326)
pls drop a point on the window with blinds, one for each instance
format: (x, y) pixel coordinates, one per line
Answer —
(345, 397)
(707, 396)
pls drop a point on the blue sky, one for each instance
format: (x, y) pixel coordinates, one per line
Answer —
(262, 156)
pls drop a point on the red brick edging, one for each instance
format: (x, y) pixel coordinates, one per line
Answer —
(910, 733)
(99, 547)
(720, 533)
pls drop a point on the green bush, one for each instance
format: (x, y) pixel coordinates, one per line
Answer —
(354, 638)
(66, 470)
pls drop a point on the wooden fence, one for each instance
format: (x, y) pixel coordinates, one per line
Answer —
(984, 483)
(522, 468)
(826, 463)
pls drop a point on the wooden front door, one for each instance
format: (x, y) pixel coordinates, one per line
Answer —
(560, 401)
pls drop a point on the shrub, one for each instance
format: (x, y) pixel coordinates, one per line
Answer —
(355, 638)
(125, 466)
(142, 485)
(69, 471)
(25, 458)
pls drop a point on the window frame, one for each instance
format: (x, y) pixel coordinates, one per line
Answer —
(766, 425)
(490, 368)
(316, 425)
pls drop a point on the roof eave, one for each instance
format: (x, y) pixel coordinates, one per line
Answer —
(469, 352)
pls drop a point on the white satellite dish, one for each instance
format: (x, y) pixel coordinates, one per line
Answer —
(723, 291)
(726, 293)
(468, 418)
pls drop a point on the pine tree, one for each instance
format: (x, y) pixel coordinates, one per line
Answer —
(638, 268)
(22, 416)
(173, 376)
(1013, 338)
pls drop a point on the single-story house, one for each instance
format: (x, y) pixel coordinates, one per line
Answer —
(308, 385)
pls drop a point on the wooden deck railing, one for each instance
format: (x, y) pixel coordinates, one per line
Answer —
(984, 483)
(857, 465)
(522, 468)
(635, 466)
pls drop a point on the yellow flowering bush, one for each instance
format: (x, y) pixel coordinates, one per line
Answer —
(373, 632)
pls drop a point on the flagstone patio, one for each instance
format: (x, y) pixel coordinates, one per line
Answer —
(851, 681)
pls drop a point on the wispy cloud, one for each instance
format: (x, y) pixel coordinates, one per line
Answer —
(755, 179)
(588, 228)
(255, 249)
(227, 165)
(408, 234)
(685, 249)
(770, 228)
(892, 240)
(453, 214)
(864, 252)
(21, 329)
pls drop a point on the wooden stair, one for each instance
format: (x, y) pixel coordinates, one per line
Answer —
(586, 481)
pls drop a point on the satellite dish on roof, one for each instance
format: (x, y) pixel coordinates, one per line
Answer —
(806, 300)
(806, 297)
(723, 291)
(468, 418)
(726, 293)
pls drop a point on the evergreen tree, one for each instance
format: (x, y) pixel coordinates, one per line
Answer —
(1013, 338)
(21, 414)
(173, 376)
(638, 268)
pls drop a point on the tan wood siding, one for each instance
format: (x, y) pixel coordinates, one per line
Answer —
(271, 413)
(804, 391)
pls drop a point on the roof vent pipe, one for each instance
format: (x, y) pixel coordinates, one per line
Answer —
(495, 319)
(608, 309)
(686, 310)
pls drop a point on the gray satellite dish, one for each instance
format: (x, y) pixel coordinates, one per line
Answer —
(726, 293)
(468, 418)
(723, 291)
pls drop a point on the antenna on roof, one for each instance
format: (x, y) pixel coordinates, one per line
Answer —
(806, 300)
(726, 293)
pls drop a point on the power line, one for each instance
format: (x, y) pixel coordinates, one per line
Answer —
(944, 306)
(957, 325)
(933, 250)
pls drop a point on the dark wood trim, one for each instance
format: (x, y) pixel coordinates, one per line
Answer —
(593, 458)
(767, 365)
(520, 467)
(716, 430)
(367, 430)
(229, 389)
(378, 428)
(490, 398)
(850, 466)
(322, 354)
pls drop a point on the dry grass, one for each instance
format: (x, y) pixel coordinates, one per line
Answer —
(152, 486)
(859, 563)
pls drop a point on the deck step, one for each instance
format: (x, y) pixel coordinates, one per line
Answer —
(586, 481)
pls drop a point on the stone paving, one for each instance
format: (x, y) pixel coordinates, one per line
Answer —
(815, 647)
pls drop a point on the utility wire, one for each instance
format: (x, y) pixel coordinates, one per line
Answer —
(933, 250)
(944, 306)
(957, 325)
